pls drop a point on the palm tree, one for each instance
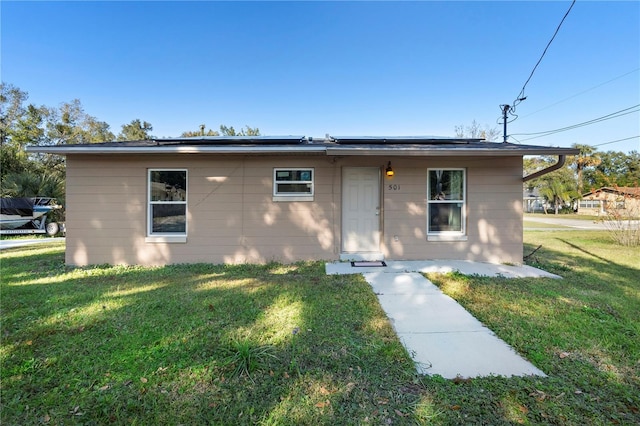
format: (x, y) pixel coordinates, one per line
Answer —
(557, 192)
(585, 159)
(32, 184)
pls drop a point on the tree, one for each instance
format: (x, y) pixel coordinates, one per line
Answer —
(557, 193)
(70, 124)
(475, 131)
(557, 188)
(26, 175)
(615, 168)
(11, 109)
(224, 131)
(201, 132)
(586, 158)
(136, 131)
(246, 131)
(33, 184)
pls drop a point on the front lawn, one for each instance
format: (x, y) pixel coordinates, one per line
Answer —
(274, 344)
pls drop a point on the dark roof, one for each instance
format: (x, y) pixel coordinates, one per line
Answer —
(411, 140)
(295, 145)
(630, 191)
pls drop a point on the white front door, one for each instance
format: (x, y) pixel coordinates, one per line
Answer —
(361, 210)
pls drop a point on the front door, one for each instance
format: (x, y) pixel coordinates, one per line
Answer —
(361, 210)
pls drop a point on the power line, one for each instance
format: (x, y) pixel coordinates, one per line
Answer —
(511, 109)
(583, 92)
(613, 115)
(617, 140)
(521, 96)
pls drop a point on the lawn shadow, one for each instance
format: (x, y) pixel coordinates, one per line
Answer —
(152, 343)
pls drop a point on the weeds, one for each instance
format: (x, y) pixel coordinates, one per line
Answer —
(623, 227)
(245, 357)
(288, 345)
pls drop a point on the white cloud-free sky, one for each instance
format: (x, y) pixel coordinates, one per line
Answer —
(343, 68)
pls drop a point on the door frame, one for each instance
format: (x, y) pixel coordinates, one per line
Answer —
(362, 255)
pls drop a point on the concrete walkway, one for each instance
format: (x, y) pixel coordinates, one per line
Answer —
(441, 336)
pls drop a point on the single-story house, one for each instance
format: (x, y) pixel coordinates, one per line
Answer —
(532, 201)
(259, 199)
(608, 200)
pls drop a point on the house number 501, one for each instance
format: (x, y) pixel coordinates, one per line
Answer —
(393, 188)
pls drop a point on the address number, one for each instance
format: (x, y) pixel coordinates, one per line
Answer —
(393, 187)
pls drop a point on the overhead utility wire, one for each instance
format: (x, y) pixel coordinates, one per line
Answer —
(616, 114)
(583, 92)
(511, 109)
(617, 140)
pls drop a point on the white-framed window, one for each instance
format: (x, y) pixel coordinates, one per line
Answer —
(293, 184)
(446, 202)
(167, 203)
(590, 204)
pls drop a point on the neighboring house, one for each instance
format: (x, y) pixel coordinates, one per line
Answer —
(608, 200)
(532, 201)
(285, 199)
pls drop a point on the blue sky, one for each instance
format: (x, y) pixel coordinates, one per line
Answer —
(343, 68)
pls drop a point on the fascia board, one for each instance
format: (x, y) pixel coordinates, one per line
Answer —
(462, 152)
(62, 150)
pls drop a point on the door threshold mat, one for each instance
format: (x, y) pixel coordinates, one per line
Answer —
(368, 263)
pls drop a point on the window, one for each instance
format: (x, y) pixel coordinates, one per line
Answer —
(589, 204)
(446, 202)
(293, 184)
(167, 202)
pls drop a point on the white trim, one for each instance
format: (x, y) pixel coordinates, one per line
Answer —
(166, 235)
(284, 198)
(448, 235)
(166, 239)
(293, 196)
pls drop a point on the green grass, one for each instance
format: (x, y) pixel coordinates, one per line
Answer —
(274, 344)
(583, 331)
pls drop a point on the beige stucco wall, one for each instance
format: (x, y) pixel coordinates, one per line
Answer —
(232, 218)
(610, 205)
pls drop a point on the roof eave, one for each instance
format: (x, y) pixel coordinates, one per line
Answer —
(176, 149)
(399, 150)
(460, 151)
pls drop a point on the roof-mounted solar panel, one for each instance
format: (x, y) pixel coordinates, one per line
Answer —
(404, 140)
(234, 140)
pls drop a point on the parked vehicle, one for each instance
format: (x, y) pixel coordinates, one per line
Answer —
(28, 215)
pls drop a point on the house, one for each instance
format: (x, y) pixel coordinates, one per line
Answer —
(611, 200)
(260, 199)
(532, 201)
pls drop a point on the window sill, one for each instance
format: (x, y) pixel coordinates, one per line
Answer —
(447, 238)
(166, 239)
(293, 198)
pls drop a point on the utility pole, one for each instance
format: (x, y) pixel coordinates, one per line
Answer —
(505, 110)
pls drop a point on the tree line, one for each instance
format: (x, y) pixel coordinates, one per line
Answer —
(28, 175)
(585, 172)
(23, 123)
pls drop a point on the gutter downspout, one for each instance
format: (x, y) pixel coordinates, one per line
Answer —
(559, 164)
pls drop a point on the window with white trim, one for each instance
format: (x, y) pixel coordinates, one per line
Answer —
(293, 184)
(446, 200)
(167, 202)
(589, 204)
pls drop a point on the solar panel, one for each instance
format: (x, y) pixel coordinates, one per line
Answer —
(403, 140)
(234, 140)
